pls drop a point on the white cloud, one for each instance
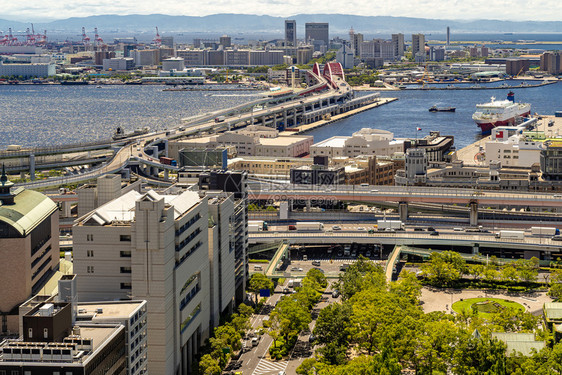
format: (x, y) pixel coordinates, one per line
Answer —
(441, 9)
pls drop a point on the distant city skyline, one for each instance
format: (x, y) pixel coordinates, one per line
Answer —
(49, 10)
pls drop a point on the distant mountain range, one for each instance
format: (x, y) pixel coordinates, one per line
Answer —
(244, 23)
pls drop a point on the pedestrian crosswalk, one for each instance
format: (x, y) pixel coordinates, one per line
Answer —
(266, 367)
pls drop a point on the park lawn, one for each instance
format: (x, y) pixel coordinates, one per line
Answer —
(485, 310)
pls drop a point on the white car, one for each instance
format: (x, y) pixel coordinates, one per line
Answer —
(296, 269)
(361, 229)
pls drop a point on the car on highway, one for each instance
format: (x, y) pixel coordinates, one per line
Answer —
(319, 269)
(556, 238)
(361, 229)
(430, 229)
(434, 233)
(316, 263)
(296, 269)
(255, 341)
(286, 291)
(311, 338)
(335, 293)
(368, 253)
(336, 227)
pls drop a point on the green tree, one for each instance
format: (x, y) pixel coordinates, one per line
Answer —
(289, 317)
(209, 366)
(509, 272)
(259, 281)
(333, 323)
(407, 286)
(360, 275)
(555, 290)
(318, 276)
(443, 269)
(528, 269)
(479, 356)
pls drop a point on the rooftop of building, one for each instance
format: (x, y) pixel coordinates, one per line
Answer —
(98, 335)
(523, 343)
(336, 141)
(283, 140)
(110, 310)
(553, 310)
(30, 208)
(122, 209)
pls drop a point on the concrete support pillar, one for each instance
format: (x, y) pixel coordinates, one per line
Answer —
(473, 213)
(320, 103)
(403, 211)
(166, 146)
(184, 369)
(308, 206)
(166, 174)
(189, 354)
(295, 117)
(263, 120)
(66, 206)
(32, 167)
(155, 152)
(475, 249)
(285, 119)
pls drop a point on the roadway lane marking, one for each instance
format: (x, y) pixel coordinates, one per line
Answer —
(266, 367)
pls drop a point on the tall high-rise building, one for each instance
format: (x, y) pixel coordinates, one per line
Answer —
(418, 43)
(448, 35)
(153, 247)
(355, 40)
(398, 44)
(317, 31)
(418, 47)
(225, 41)
(290, 32)
(29, 248)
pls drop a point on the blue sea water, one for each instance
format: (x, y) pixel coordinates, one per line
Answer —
(36, 115)
(44, 115)
(411, 111)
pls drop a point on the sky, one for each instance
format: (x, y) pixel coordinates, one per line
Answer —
(511, 10)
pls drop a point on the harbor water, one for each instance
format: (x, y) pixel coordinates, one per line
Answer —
(43, 115)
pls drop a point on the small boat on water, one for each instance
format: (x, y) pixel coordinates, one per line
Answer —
(442, 109)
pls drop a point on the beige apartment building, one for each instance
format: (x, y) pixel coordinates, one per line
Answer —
(363, 142)
(259, 144)
(268, 167)
(29, 248)
(152, 247)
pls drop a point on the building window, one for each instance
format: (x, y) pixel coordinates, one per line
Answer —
(89, 237)
(126, 286)
(125, 237)
(30, 333)
(45, 333)
(125, 254)
(125, 270)
(90, 253)
(90, 269)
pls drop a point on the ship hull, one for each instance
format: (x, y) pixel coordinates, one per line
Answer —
(486, 127)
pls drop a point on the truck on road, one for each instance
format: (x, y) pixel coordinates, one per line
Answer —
(257, 226)
(220, 119)
(514, 234)
(309, 226)
(545, 231)
(389, 225)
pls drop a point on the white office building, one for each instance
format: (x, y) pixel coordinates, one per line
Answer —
(118, 63)
(363, 142)
(28, 70)
(156, 248)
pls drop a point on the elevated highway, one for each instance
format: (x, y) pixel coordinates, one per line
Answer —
(403, 196)
(545, 246)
